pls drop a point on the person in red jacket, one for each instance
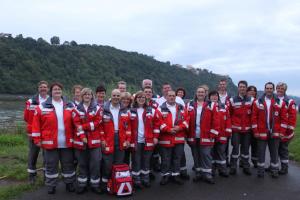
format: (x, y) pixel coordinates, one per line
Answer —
(29, 110)
(87, 117)
(76, 92)
(286, 137)
(252, 92)
(116, 134)
(203, 129)
(52, 128)
(173, 120)
(220, 146)
(240, 112)
(145, 131)
(269, 122)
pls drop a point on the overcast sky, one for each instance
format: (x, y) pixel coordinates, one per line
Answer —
(256, 40)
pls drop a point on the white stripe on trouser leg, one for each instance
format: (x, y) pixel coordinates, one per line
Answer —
(145, 172)
(104, 180)
(68, 175)
(235, 156)
(274, 165)
(198, 169)
(183, 168)
(221, 162)
(206, 170)
(51, 175)
(260, 164)
(176, 174)
(244, 156)
(253, 158)
(82, 180)
(95, 181)
(136, 173)
(31, 171)
(165, 174)
(285, 161)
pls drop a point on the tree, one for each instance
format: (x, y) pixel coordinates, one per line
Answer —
(73, 43)
(55, 40)
(42, 41)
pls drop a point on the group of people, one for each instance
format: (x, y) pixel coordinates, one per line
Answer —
(88, 135)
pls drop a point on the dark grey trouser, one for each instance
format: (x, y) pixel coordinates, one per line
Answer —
(242, 140)
(141, 164)
(273, 145)
(33, 155)
(205, 159)
(283, 152)
(170, 159)
(109, 159)
(183, 168)
(253, 149)
(89, 166)
(65, 157)
(195, 148)
(219, 155)
(155, 158)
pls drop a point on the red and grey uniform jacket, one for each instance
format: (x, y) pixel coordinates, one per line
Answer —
(291, 121)
(240, 113)
(277, 119)
(88, 124)
(166, 138)
(153, 104)
(31, 105)
(45, 125)
(151, 127)
(209, 123)
(109, 130)
(225, 124)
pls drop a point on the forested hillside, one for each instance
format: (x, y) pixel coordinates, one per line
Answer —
(25, 61)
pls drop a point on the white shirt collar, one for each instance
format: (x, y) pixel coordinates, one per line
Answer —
(114, 108)
(170, 106)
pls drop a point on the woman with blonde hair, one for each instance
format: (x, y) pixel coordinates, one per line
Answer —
(87, 141)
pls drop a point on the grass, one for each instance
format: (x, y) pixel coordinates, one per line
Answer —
(294, 147)
(13, 159)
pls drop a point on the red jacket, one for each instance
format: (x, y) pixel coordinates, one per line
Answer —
(209, 123)
(31, 105)
(240, 112)
(44, 125)
(291, 120)
(153, 104)
(88, 125)
(109, 130)
(278, 119)
(151, 127)
(225, 124)
(166, 138)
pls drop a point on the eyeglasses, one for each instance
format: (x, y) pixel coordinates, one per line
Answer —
(141, 97)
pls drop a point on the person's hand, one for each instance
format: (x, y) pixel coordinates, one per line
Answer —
(126, 144)
(103, 143)
(39, 144)
(177, 128)
(84, 140)
(173, 131)
(155, 141)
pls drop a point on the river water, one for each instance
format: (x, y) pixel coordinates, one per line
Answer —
(11, 110)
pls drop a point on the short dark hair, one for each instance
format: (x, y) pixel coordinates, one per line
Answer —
(214, 92)
(180, 89)
(252, 87)
(56, 84)
(100, 88)
(76, 87)
(270, 83)
(223, 80)
(148, 88)
(243, 82)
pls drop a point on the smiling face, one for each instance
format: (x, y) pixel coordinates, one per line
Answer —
(115, 96)
(166, 88)
(214, 98)
(148, 92)
(242, 89)
(141, 100)
(180, 93)
(200, 94)
(77, 94)
(87, 97)
(43, 89)
(100, 96)
(56, 92)
(280, 90)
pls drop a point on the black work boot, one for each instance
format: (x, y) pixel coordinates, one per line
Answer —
(32, 178)
(274, 173)
(232, 171)
(81, 190)
(96, 190)
(164, 180)
(284, 169)
(208, 178)
(70, 187)
(198, 177)
(177, 180)
(247, 171)
(51, 190)
(184, 175)
(261, 173)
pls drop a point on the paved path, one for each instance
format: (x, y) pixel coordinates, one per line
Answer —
(239, 186)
